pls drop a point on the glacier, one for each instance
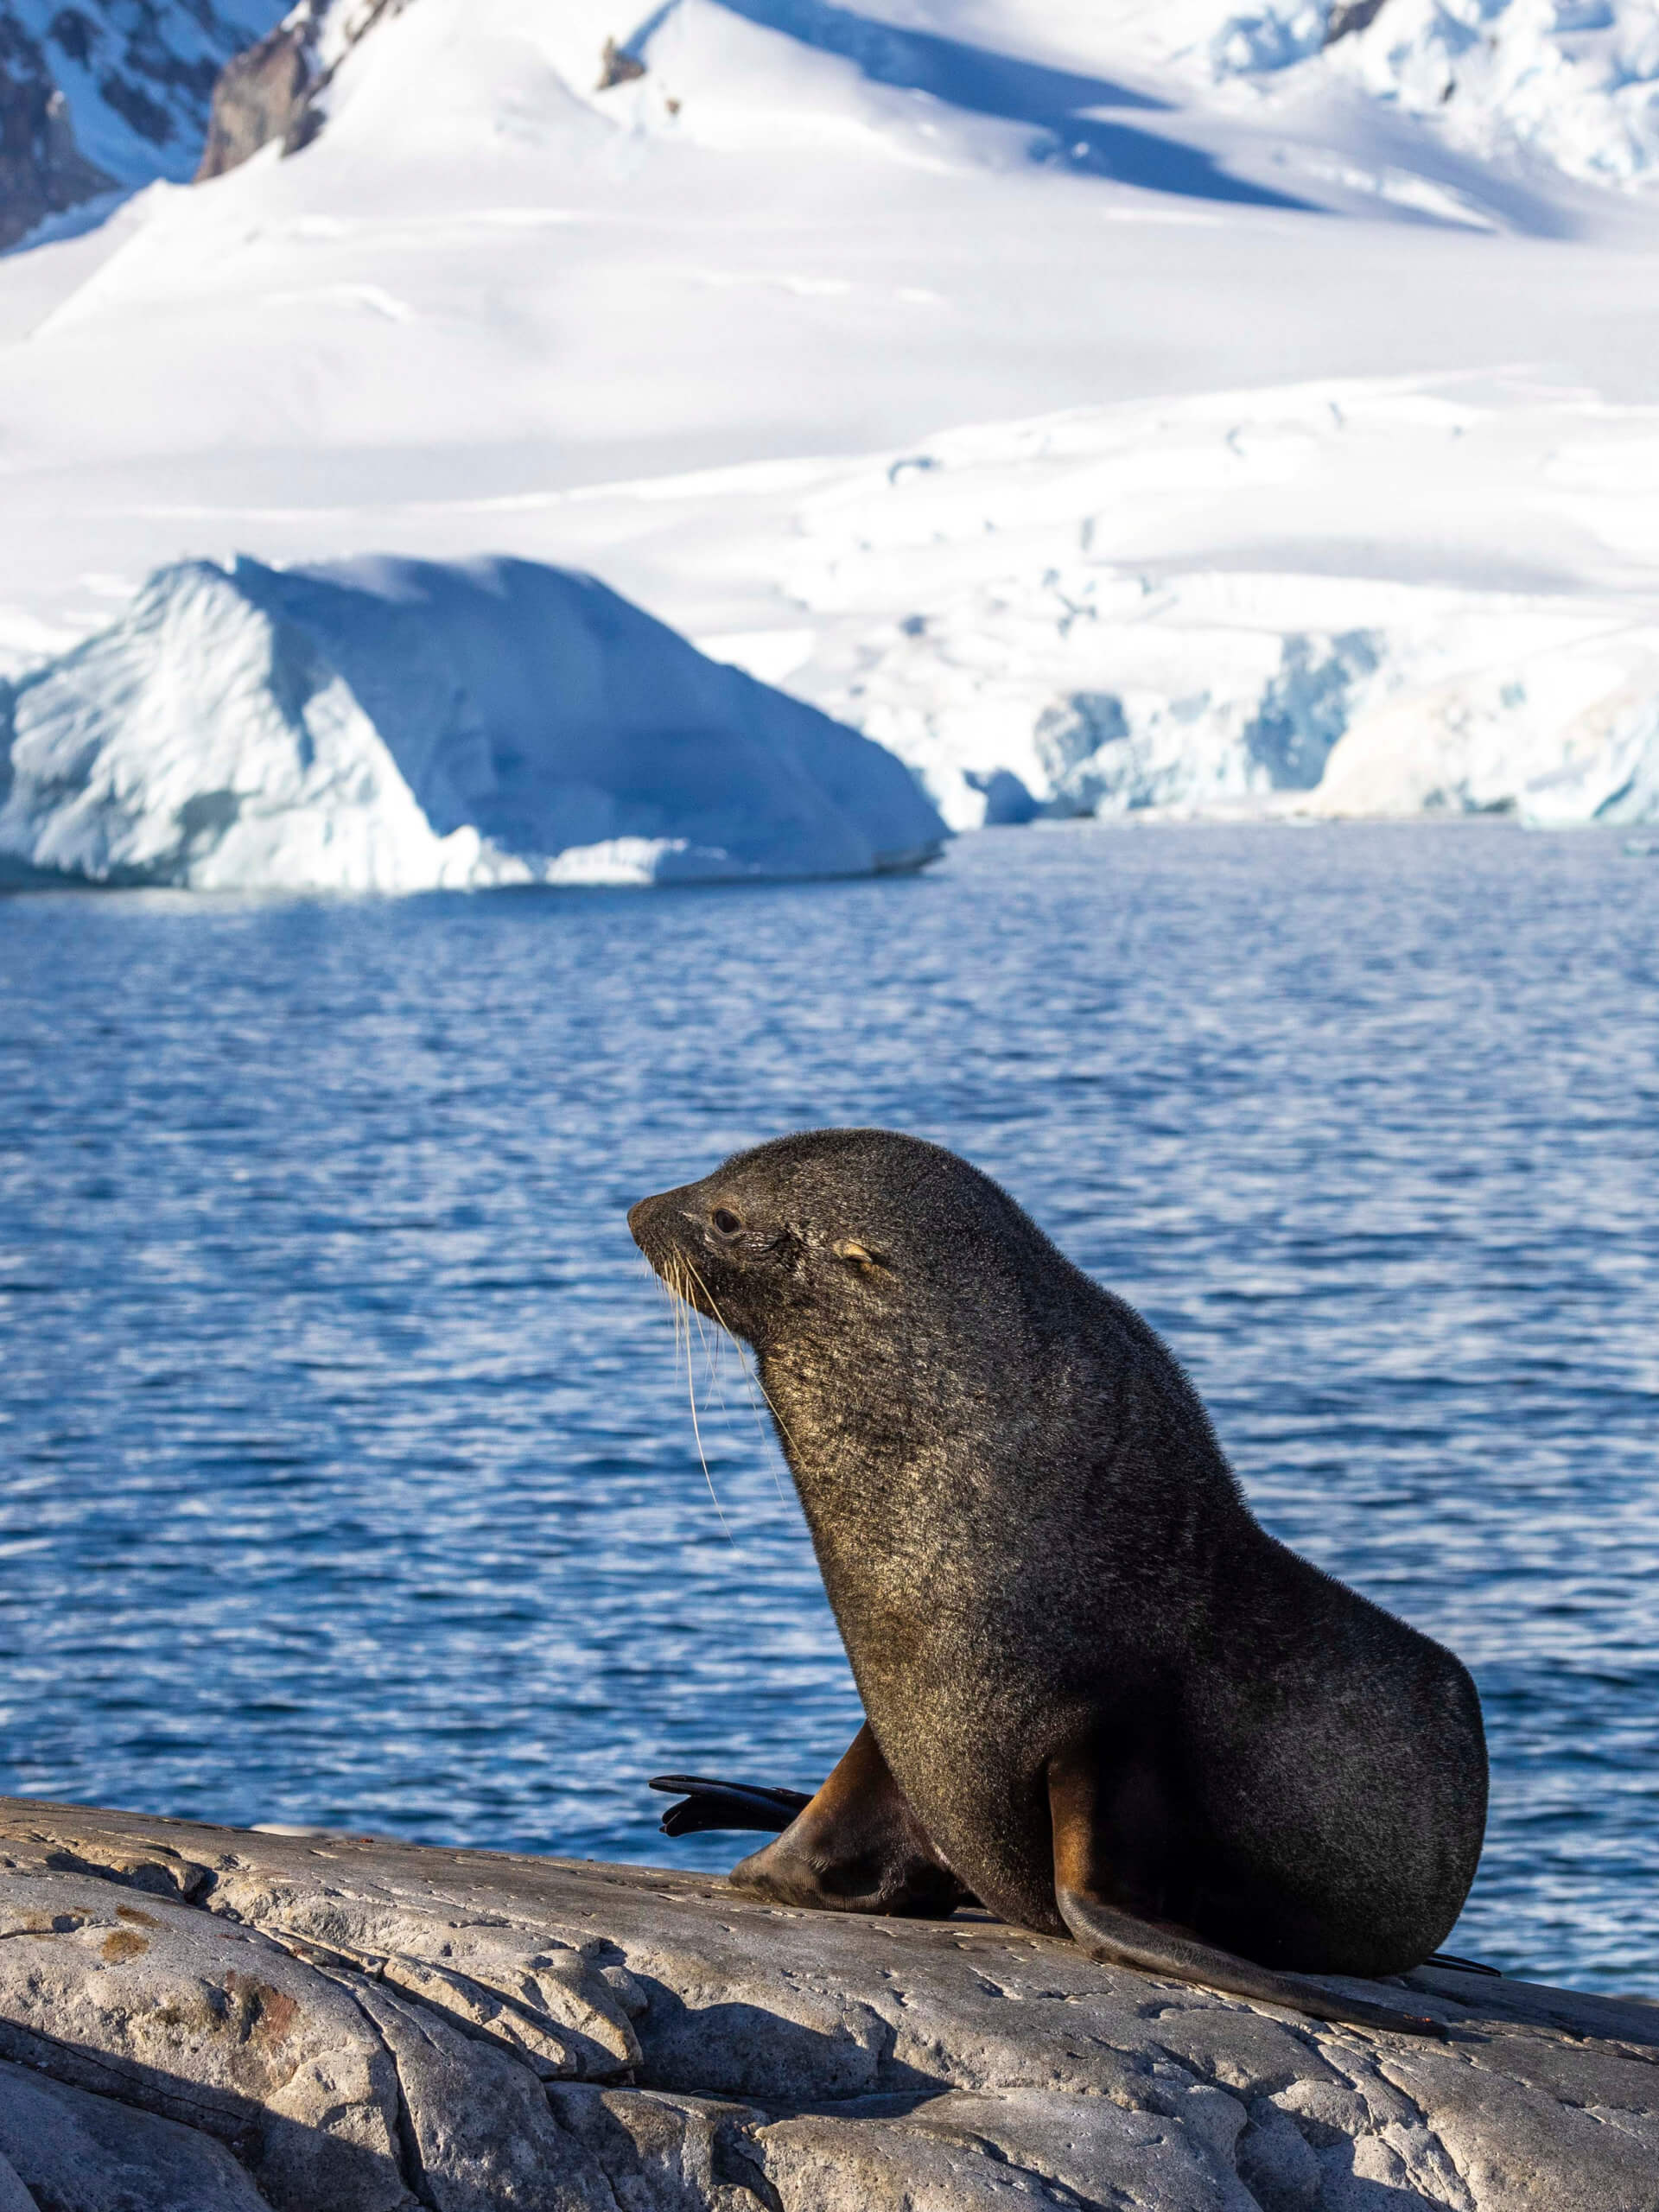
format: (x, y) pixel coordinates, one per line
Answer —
(385, 725)
(1366, 596)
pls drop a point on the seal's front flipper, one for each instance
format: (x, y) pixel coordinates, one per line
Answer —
(1116, 1937)
(725, 1804)
(856, 1848)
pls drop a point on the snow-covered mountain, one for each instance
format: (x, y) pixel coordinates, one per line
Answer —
(1573, 83)
(403, 726)
(114, 93)
(1102, 404)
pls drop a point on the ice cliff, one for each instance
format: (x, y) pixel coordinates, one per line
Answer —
(397, 725)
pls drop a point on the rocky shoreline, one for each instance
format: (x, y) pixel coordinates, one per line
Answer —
(216, 2020)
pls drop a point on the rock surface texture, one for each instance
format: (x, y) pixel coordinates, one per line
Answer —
(212, 2019)
(261, 95)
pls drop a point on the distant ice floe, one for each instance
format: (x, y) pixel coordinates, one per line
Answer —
(398, 726)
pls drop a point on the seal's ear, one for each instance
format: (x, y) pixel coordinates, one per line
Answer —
(860, 1256)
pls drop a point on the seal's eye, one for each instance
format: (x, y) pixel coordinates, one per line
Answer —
(862, 1257)
(726, 1221)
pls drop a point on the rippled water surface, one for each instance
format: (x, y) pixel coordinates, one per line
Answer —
(348, 1476)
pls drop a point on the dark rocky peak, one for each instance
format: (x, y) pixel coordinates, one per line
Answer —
(1349, 16)
(275, 89)
(107, 95)
(43, 170)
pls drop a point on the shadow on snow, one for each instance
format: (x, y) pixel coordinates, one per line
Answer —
(1061, 104)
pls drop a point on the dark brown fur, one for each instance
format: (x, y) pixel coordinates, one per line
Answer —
(1099, 1694)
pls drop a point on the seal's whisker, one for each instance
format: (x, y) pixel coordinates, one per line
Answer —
(687, 1273)
(685, 1313)
(753, 1372)
(710, 1344)
(677, 1276)
(690, 1392)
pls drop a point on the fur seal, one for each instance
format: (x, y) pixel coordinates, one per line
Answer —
(1099, 1696)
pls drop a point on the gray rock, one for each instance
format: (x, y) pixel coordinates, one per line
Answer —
(1027, 2147)
(480, 2127)
(545, 1999)
(617, 66)
(43, 170)
(275, 90)
(166, 2007)
(260, 95)
(81, 2153)
(1347, 17)
(660, 2153)
(473, 2031)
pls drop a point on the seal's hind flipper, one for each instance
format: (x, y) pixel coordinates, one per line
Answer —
(1453, 1964)
(1085, 1867)
(1119, 1939)
(710, 1804)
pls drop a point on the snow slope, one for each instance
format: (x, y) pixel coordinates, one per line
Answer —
(397, 725)
(1022, 384)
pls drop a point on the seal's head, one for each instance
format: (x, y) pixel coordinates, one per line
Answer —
(843, 1255)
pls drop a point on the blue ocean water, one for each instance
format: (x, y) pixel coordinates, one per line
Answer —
(349, 1478)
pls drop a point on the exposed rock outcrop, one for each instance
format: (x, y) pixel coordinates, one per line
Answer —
(107, 95)
(212, 2019)
(43, 170)
(276, 89)
(1348, 16)
(261, 95)
(618, 66)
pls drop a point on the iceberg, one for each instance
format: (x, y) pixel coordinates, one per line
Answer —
(386, 725)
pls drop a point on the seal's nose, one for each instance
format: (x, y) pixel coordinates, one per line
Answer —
(641, 1217)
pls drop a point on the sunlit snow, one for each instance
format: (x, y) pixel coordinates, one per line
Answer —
(1105, 406)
